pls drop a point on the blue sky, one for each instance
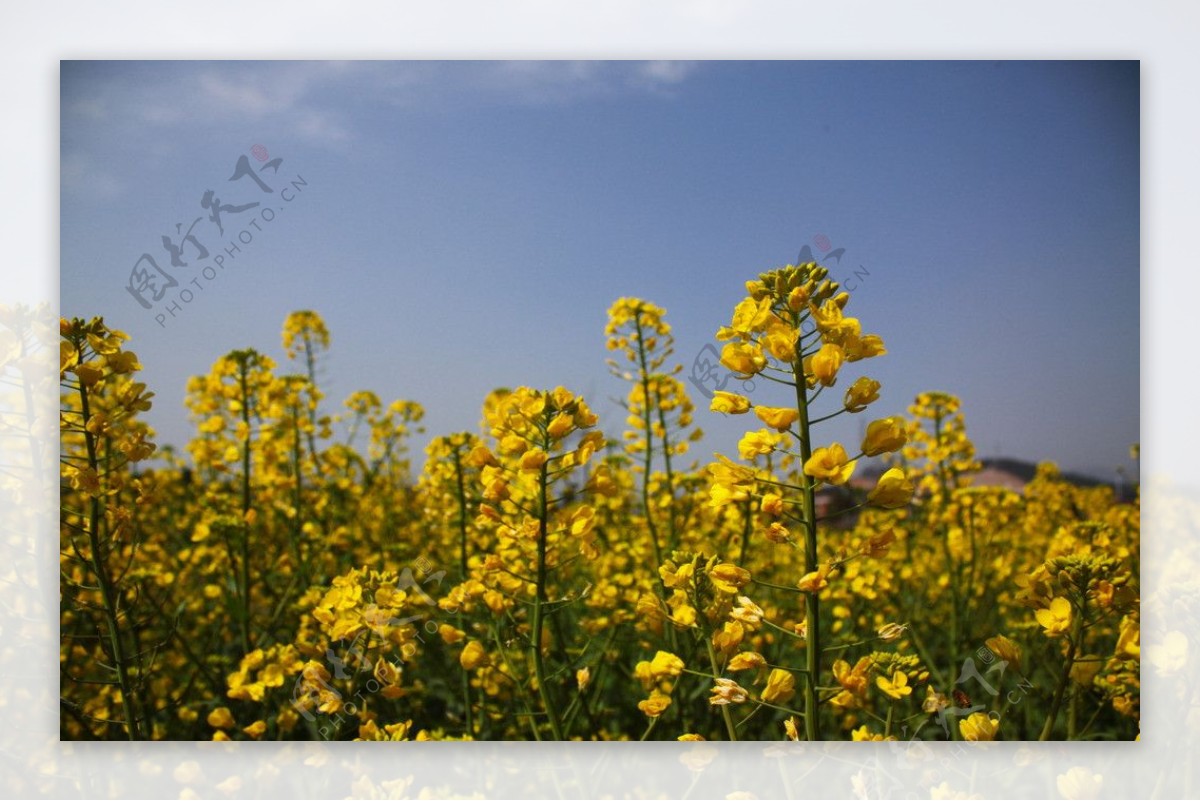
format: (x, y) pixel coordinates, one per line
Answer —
(465, 225)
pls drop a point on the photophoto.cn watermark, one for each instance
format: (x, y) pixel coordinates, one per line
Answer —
(165, 282)
(709, 376)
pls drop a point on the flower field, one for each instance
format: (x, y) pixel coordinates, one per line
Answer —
(300, 573)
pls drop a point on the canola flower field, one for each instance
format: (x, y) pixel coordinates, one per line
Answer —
(537, 581)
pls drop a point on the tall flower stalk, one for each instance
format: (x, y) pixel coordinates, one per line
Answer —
(791, 330)
(523, 499)
(100, 438)
(229, 404)
(660, 412)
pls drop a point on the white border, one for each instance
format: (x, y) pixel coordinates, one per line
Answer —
(1162, 34)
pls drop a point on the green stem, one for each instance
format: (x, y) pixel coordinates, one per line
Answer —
(747, 527)
(647, 464)
(650, 728)
(462, 513)
(539, 601)
(108, 592)
(310, 362)
(952, 570)
(725, 714)
(462, 546)
(647, 460)
(1064, 677)
(298, 502)
(517, 683)
(672, 533)
(245, 566)
(812, 607)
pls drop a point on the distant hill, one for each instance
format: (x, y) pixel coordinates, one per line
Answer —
(1001, 471)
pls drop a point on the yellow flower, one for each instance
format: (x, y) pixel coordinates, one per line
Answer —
(781, 686)
(1006, 649)
(747, 660)
(387, 673)
(863, 735)
(746, 612)
(665, 664)
(978, 727)
(307, 327)
(1056, 619)
(896, 687)
(780, 419)
(815, 581)
(449, 634)
(853, 680)
(655, 705)
(123, 362)
(673, 576)
(833, 325)
(884, 436)
(729, 403)
(584, 416)
(751, 315)
(831, 465)
(863, 347)
(729, 637)
(780, 340)
(68, 356)
(777, 533)
(825, 363)
(1129, 641)
(727, 691)
(730, 482)
(728, 577)
(480, 456)
(757, 443)
(861, 394)
(743, 359)
(531, 403)
(878, 544)
(514, 444)
(221, 718)
(472, 656)
(791, 730)
(583, 521)
(561, 425)
(83, 478)
(583, 678)
(256, 729)
(934, 701)
(641, 672)
(533, 459)
(892, 491)
(88, 372)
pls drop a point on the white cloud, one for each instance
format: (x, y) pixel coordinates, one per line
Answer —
(667, 72)
(568, 81)
(242, 95)
(315, 125)
(82, 176)
(319, 100)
